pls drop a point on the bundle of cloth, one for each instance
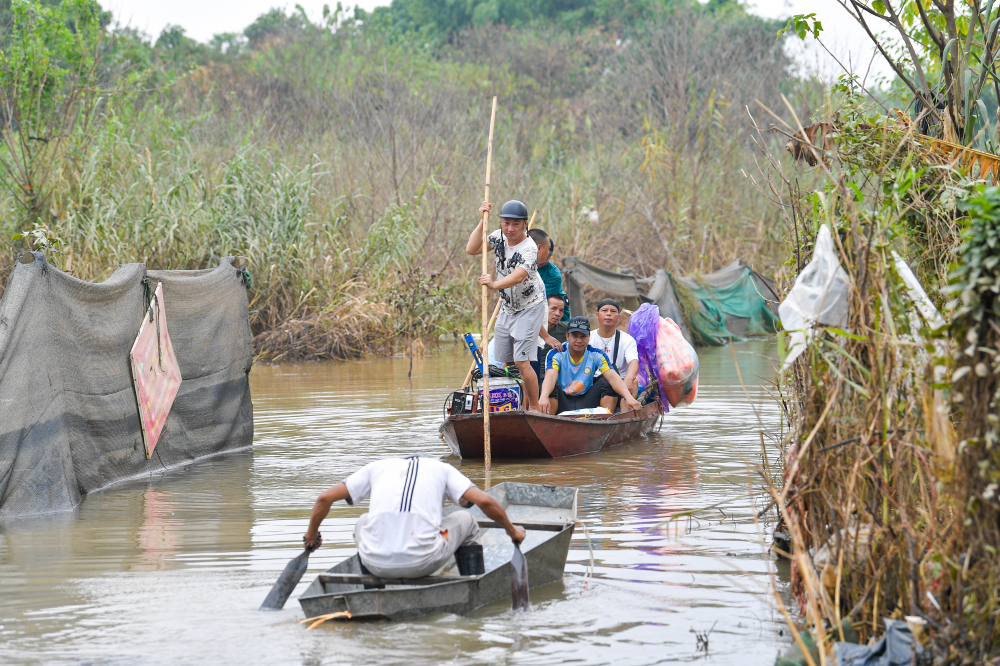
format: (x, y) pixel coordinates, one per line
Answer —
(665, 355)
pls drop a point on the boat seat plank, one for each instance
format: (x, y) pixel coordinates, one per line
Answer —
(364, 579)
(545, 527)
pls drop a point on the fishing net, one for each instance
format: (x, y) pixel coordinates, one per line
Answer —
(69, 422)
(730, 304)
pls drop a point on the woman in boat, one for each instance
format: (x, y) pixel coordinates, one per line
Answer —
(403, 535)
(581, 377)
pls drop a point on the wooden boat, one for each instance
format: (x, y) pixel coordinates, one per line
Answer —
(548, 513)
(521, 434)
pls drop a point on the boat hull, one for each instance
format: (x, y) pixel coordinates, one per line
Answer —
(521, 434)
(545, 551)
(545, 565)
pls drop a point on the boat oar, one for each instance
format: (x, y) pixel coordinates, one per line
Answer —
(286, 582)
(519, 579)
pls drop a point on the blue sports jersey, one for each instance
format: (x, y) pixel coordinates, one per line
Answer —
(577, 378)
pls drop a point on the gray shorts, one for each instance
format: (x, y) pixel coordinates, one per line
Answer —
(462, 528)
(516, 334)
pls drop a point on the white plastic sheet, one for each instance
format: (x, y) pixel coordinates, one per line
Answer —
(917, 294)
(819, 296)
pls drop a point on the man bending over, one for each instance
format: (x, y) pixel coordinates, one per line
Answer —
(571, 376)
(403, 535)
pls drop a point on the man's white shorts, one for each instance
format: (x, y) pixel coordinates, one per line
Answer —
(516, 334)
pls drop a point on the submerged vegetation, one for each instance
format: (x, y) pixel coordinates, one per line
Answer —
(344, 157)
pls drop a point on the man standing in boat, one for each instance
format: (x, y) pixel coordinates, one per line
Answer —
(522, 292)
(403, 535)
(548, 271)
(582, 377)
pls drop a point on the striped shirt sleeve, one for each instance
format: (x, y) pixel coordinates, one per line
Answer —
(601, 362)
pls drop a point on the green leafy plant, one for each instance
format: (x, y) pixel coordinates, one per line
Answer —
(974, 284)
(50, 68)
(41, 238)
(802, 25)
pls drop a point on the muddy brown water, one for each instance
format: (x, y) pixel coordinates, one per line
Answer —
(172, 570)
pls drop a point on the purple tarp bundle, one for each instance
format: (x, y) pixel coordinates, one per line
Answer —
(643, 325)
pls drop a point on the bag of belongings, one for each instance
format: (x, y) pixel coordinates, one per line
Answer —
(663, 349)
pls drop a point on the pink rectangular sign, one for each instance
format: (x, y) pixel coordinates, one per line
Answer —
(154, 371)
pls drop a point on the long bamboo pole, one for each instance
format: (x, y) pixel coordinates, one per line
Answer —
(486, 298)
(493, 319)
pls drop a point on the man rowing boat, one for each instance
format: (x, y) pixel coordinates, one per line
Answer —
(404, 535)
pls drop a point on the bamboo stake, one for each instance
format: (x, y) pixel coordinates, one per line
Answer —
(486, 299)
(493, 319)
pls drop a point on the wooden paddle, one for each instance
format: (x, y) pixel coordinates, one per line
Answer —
(493, 319)
(519, 580)
(286, 582)
(291, 576)
(486, 298)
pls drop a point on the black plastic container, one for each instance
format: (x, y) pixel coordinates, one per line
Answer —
(469, 559)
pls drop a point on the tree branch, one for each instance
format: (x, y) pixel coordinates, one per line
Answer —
(909, 43)
(922, 94)
(988, 57)
(934, 33)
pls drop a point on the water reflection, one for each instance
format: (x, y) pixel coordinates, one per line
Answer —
(172, 570)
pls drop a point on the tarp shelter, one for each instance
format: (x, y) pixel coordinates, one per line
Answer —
(69, 421)
(731, 303)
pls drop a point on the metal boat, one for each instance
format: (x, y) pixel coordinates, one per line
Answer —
(548, 514)
(522, 434)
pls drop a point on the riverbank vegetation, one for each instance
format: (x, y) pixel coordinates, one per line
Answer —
(343, 157)
(889, 492)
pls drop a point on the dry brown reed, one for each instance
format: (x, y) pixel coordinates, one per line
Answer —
(876, 494)
(353, 327)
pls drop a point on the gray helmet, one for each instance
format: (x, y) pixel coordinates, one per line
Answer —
(514, 210)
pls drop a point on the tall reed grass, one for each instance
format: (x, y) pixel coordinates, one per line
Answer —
(346, 166)
(886, 492)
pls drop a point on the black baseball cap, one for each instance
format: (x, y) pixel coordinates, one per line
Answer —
(579, 324)
(608, 301)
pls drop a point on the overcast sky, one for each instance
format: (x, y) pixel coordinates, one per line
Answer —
(203, 19)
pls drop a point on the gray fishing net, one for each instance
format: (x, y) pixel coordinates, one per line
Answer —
(69, 424)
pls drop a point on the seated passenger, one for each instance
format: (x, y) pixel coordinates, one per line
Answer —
(403, 534)
(552, 335)
(555, 330)
(581, 377)
(620, 347)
